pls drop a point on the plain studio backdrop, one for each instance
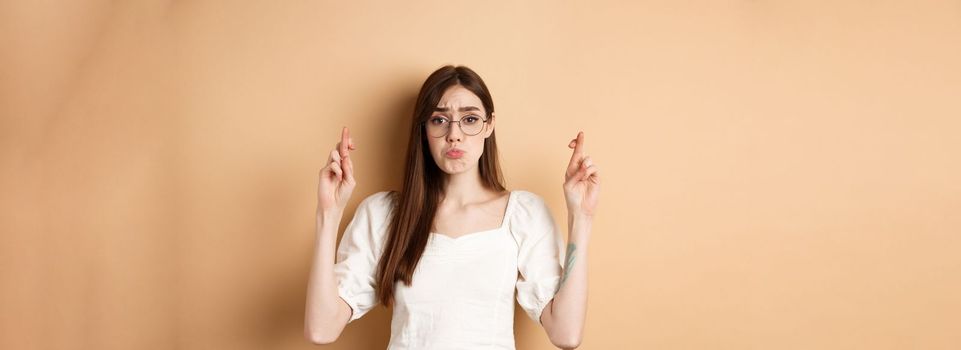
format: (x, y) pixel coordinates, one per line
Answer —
(775, 174)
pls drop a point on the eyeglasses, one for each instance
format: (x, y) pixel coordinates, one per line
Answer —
(440, 126)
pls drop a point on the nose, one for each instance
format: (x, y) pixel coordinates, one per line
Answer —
(455, 134)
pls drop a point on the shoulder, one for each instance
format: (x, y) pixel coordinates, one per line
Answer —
(526, 201)
(371, 219)
(531, 219)
(530, 211)
(378, 201)
(376, 207)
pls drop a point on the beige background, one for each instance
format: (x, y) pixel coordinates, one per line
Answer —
(776, 175)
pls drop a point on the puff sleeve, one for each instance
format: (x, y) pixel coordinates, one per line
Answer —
(359, 252)
(537, 260)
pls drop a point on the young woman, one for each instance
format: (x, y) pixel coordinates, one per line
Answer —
(451, 249)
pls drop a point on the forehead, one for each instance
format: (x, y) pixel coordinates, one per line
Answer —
(457, 96)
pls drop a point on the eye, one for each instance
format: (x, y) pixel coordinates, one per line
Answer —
(471, 119)
(437, 120)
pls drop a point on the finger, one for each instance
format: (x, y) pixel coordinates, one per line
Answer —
(596, 178)
(335, 168)
(340, 146)
(577, 176)
(334, 156)
(578, 153)
(579, 144)
(588, 172)
(344, 142)
(350, 147)
(581, 163)
(348, 167)
(328, 171)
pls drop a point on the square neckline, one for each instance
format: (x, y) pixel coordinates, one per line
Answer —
(507, 213)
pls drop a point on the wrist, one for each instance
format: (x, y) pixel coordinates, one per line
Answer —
(329, 216)
(577, 216)
(579, 229)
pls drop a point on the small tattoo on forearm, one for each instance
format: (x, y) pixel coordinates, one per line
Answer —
(568, 264)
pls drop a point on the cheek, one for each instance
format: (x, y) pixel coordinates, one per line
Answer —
(436, 148)
(477, 148)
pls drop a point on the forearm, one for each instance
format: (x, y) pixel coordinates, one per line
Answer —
(568, 310)
(324, 319)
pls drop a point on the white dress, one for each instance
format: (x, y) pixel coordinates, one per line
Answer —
(463, 289)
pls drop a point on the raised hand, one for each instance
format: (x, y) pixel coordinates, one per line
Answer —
(582, 182)
(337, 177)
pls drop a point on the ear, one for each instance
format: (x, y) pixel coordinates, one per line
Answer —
(490, 126)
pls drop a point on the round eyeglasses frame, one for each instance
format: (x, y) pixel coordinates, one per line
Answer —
(483, 121)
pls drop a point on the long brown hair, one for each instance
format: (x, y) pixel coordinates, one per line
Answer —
(415, 204)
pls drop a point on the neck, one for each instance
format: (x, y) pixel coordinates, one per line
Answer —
(464, 188)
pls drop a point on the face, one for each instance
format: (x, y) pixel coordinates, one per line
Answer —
(458, 103)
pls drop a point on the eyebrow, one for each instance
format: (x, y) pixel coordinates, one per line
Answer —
(462, 109)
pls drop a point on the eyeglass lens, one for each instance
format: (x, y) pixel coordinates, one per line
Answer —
(439, 126)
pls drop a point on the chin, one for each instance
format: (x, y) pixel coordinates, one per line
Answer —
(454, 168)
(452, 171)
